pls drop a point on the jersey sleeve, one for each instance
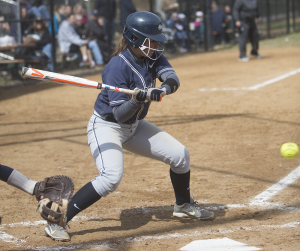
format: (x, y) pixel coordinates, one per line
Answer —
(162, 66)
(115, 76)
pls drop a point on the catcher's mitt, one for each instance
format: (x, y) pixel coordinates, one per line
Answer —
(53, 195)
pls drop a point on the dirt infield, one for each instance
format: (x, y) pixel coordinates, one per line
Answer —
(233, 136)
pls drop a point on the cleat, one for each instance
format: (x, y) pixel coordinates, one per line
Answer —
(244, 59)
(192, 210)
(57, 233)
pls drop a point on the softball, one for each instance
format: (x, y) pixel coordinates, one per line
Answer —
(289, 150)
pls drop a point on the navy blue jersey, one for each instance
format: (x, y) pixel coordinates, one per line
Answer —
(123, 72)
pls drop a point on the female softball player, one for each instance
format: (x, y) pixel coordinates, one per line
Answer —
(118, 121)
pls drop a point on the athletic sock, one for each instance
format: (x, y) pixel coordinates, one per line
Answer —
(5, 172)
(84, 58)
(85, 197)
(181, 185)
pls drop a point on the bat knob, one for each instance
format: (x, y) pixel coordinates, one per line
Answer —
(24, 70)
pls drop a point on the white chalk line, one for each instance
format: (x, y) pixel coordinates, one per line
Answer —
(254, 87)
(276, 188)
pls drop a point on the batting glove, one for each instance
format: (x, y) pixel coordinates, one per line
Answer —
(139, 95)
(155, 94)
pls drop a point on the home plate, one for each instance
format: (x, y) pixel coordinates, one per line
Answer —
(224, 244)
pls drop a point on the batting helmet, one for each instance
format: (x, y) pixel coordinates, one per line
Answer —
(142, 25)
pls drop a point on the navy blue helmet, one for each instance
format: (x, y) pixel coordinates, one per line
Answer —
(142, 25)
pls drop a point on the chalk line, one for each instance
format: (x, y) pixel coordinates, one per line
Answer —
(276, 188)
(254, 87)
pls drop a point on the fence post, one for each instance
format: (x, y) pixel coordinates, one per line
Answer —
(53, 42)
(205, 26)
(19, 35)
(88, 8)
(268, 19)
(288, 16)
(294, 15)
(151, 5)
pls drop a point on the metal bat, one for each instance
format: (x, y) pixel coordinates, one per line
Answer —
(67, 79)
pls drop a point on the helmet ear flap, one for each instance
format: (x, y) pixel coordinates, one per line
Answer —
(133, 40)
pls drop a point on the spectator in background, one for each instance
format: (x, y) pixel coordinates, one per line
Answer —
(197, 28)
(5, 38)
(83, 32)
(78, 9)
(169, 7)
(170, 23)
(181, 33)
(24, 24)
(96, 32)
(38, 9)
(217, 23)
(228, 24)
(107, 9)
(39, 35)
(126, 8)
(68, 9)
(70, 42)
(59, 16)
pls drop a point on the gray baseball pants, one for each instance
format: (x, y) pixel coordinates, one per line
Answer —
(108, 139)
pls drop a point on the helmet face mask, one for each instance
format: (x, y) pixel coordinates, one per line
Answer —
(147, 46)
(140, 29)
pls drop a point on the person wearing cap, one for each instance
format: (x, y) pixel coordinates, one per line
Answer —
(245, 12)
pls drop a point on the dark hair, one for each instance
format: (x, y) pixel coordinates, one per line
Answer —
(70, 14)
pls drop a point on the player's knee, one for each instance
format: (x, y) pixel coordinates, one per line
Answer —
(181, 161)
(105, 183)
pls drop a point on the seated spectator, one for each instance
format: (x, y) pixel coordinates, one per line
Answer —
(68, 9)
(181, 33)
(70, 42)
(59, 16)
(39, 35)
(96, 31)
(78, 9)
(36, 10)
(24, 24)
(5, 38)
(170, 23)
(197, 28)
(217, 21)
(83, 31)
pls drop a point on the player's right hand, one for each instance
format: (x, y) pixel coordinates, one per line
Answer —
(139, 95)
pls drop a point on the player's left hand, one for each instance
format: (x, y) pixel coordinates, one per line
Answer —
(155, 94)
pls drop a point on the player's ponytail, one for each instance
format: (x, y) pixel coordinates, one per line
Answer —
(121, 46)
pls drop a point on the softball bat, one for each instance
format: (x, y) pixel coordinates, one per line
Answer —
(70, 80)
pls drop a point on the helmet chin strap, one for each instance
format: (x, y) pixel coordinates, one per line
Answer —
(144, 47)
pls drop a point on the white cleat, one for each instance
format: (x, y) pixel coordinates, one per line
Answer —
(244, 59)
(57, 233)
(192, 210)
